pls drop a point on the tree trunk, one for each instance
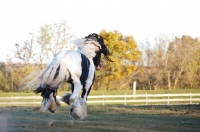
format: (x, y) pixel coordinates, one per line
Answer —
(149, 83)
(177, 77)
(122, 86)
(169, 80)
(175, 82)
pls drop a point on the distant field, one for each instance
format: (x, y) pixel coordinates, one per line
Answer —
(114, 92)
(109, 118)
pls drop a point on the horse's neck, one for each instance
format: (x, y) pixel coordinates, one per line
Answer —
(88, 52)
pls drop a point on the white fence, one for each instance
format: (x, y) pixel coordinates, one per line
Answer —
(139, 99)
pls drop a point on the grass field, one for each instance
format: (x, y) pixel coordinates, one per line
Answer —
(108, 118)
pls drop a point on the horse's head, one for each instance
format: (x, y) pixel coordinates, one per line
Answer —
(49, 99)
(102, 49)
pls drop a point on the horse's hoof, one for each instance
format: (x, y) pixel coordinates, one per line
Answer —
(52, 111)
(78, 112)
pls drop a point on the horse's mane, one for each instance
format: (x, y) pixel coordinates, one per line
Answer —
(84, 48)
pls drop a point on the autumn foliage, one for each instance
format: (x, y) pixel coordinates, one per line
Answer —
(125, 54)
(166, 64)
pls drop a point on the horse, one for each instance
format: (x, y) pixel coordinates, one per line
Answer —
(75, 67)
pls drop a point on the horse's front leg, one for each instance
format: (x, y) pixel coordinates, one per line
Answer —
(76, 92)
(85, 93)
(88, 86)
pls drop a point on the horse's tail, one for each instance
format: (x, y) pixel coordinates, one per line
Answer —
(52, 76)
(31, 81)
(55, 73)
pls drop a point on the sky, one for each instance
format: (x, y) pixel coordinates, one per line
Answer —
(142, 19)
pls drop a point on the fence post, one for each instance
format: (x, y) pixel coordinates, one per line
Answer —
(11, 100)
(134, 89)
(103, 99)
(168, 99)
(124, 99)
(146, 99)
(190, 98)
(34, 101)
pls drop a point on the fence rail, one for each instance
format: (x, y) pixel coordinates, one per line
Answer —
(139, 99)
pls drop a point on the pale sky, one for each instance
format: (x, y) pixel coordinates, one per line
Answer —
(142, 19)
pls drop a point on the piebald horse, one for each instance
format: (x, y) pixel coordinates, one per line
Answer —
(76, 67)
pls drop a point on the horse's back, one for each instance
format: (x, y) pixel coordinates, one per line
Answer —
(77, 64)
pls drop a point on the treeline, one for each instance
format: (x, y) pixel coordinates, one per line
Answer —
(170, 64)
(33, 54)
(167, 64)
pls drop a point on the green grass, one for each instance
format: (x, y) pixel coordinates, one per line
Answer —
(109, 118)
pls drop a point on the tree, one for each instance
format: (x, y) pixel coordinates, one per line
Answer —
(60, 37)
(184, 59)
(125, 54)
(43, 40)
(25, 53)
(52, 39)
(5, 78)
(154, 64)
(170, 63)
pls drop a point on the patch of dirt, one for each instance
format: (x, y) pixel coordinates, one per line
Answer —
(4, 122)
